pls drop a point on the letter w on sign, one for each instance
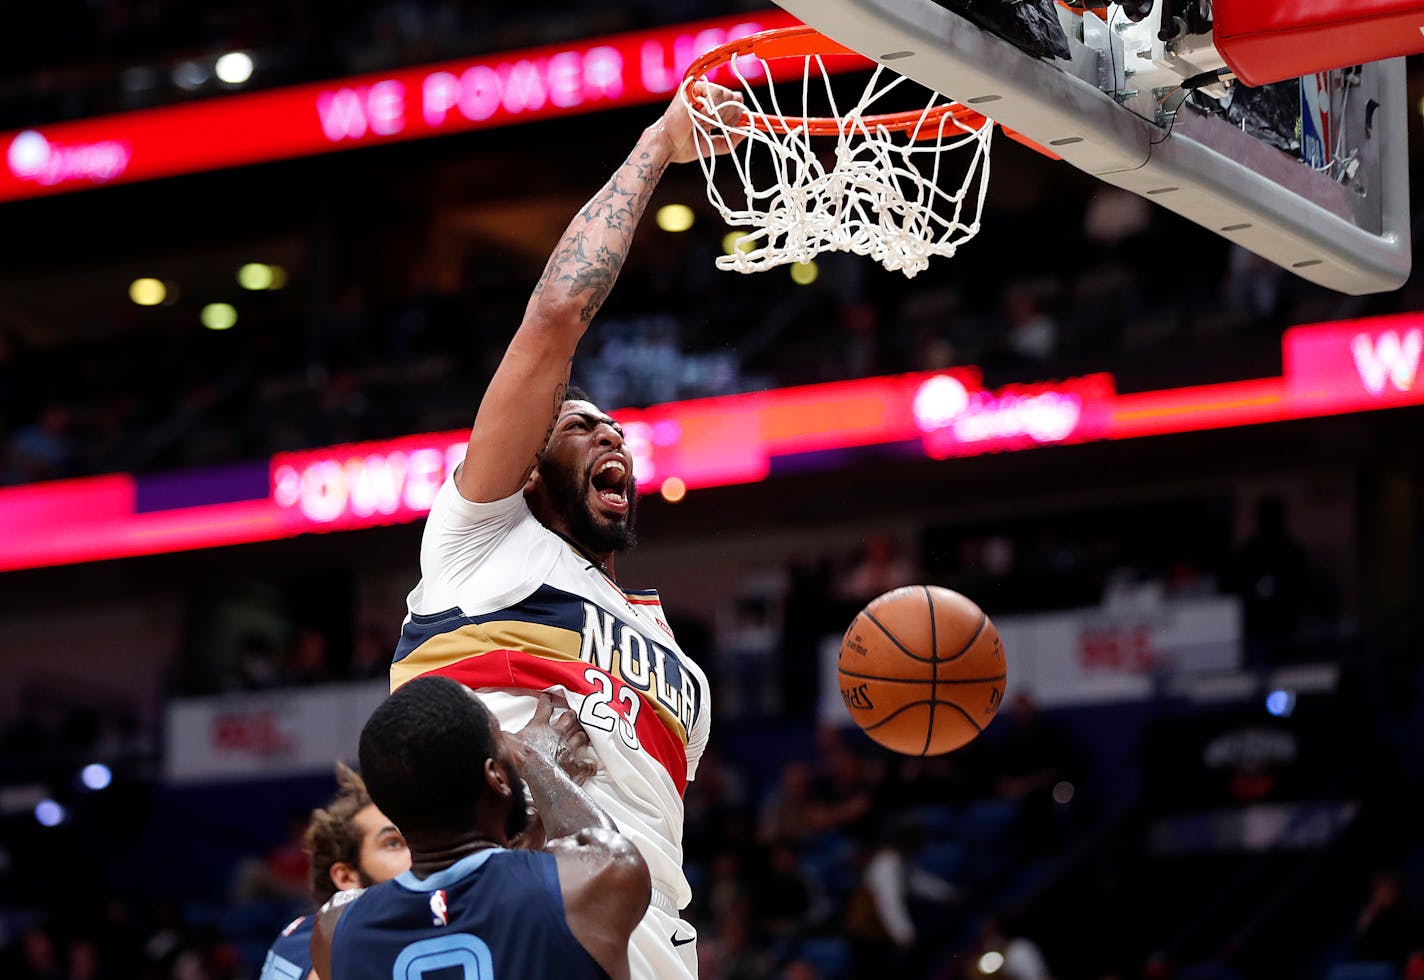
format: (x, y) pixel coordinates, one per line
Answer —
(1387, 360)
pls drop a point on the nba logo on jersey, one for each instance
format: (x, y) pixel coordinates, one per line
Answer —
(438, 910)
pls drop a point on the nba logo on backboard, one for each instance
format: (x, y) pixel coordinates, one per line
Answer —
(1315, 120)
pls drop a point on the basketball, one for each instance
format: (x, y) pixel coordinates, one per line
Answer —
(922, 670)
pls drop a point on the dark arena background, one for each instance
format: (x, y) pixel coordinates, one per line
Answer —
(1208, 584)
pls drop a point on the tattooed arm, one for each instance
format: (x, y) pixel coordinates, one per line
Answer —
(517, 413)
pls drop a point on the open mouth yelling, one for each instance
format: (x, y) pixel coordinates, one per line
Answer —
(610, 483)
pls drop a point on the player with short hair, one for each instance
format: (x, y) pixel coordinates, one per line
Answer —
(352, 844)
(436, 760)
(518, 592)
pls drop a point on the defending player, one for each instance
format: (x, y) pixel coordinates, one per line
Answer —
(435, 759)
(518, 593)
(352, 845)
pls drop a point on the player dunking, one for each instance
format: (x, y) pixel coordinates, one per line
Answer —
(518, 593)
(436, 761)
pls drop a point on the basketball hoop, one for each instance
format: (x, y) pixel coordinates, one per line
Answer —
(818, 179)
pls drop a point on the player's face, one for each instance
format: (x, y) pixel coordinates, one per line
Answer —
(516, 821)
(586, 488)
(384, 853)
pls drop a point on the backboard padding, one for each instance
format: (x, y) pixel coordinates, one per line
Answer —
(1351, 239)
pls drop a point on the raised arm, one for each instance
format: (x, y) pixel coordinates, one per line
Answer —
(518, 410)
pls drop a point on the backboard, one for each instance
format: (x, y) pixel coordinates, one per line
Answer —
(1332, 208)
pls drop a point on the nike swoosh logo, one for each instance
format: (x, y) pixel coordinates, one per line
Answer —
(682, 942)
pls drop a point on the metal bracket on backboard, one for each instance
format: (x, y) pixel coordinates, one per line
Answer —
(1352, 239)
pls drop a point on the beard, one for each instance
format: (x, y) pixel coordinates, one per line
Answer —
(568, 495)
(517, 821)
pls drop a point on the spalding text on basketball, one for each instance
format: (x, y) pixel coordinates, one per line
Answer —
(857, 698)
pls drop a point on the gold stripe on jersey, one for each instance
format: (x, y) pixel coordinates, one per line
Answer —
(535, 640)
(476, 639)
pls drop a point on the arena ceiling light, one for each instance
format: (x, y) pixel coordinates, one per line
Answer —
(256, 276)
(234, 68)
(737, 239)
(219, 316)
(190, 75)
(673, 489)
(675, 217)
(48, 813)
(991, 962)
(805, 273)
(96, 776)
(148, 291)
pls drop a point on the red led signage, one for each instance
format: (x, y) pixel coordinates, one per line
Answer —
(1356, 364)
(364, 485)
(1331, 369)
(280, 124)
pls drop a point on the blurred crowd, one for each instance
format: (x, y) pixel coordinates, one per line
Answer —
(80, 58)
(128, 397)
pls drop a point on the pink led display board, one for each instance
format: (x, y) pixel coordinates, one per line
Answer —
(1330, 369)
(433, 100)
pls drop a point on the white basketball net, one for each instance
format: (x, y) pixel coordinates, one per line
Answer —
(866, 190)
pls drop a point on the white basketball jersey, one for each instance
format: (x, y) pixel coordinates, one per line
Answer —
(507, 607)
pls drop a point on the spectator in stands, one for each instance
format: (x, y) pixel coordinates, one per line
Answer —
(843, 793)
(256, 665)
(45, 449)
(799, 969)
(371, 657)
(882, 566)
(1027, 752)
(1387, 929)
(878, 920)
(38, 959)
(82, 958)
(281, 874)
(209, 958)
(835, 795)
(1032, 332)
(1252, 288)
(937, 780)
(729, 953)
(984, 566)
(782, 899)
(120, 948)
(167, 939)
(1022, 957)
(351, 844)
(306, 660)
(807, 619)
(1272, 571)
(727, 890)
(786, 812)
(717, 808)
(16, 377)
